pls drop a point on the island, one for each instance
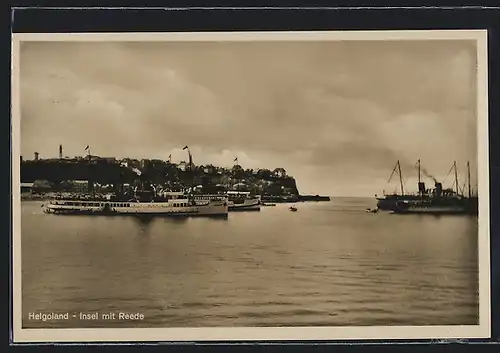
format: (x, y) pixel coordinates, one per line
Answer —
(95, 174)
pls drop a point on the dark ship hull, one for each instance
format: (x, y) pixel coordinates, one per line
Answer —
(468, 206)
(396, 202)
(389, 202)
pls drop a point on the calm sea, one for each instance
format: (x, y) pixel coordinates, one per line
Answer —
(328, 264)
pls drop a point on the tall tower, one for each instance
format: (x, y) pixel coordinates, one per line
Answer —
(36, 156)
(60, 152)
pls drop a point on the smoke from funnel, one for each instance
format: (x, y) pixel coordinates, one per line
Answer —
(427, 174)
(410, 165)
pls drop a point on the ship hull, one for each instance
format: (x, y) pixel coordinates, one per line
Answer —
(244, 208)
(430, 209)
(247, 205)
(390, 203)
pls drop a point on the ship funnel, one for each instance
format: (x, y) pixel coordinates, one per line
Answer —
(421, 187)
(439, 189)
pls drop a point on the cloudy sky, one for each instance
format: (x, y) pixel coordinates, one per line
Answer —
(336, 115)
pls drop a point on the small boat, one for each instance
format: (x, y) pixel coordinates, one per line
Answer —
(372, 210)
(243, 201)
(293, 208)
(236, 200)
(268, 204)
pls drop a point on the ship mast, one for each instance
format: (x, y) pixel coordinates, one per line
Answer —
(397, 169)
(419, 180)
(190, 169)
(400, 179)
(468, 178)
(456, 176)
(90, 179)
(420, 191)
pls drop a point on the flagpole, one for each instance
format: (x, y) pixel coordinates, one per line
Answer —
(190, 172)
(88, 151)
(233, 178)
(90, 179)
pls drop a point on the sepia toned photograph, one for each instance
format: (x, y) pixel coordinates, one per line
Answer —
(325, 185)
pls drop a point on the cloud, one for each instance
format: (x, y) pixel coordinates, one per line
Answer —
(331, 113)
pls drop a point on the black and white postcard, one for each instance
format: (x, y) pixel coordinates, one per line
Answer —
(250, 186)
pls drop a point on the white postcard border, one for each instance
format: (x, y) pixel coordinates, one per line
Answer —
(482, 330)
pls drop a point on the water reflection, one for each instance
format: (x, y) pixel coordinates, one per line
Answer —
(143, 221)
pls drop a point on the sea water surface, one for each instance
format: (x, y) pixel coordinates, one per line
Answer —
(329, 264)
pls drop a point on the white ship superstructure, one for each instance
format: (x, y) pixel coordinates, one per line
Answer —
(178, 207)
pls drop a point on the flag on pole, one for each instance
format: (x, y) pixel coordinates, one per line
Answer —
(185, 147)
(86, 148)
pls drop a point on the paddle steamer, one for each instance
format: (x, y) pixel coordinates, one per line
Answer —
(174, 207)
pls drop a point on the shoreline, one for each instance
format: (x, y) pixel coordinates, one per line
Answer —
(26, 197)
(35, 197)
(265, 199)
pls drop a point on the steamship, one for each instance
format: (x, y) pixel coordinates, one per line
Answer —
(430, 201)
(243, 201)
(236, 200)
(140, 206)
(145, 201)
(389, 201)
